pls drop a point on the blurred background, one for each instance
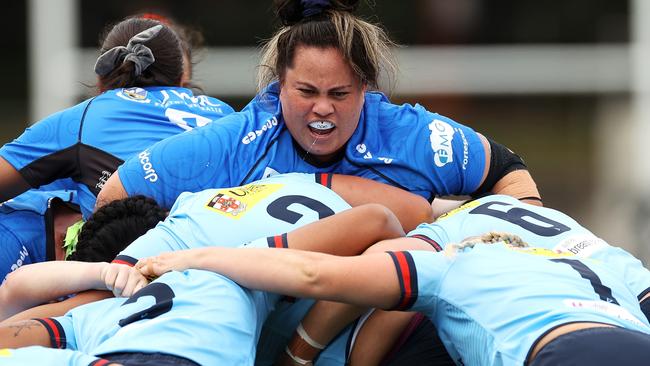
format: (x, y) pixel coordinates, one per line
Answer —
(561, 82)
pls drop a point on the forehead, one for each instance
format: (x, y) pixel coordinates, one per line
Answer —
(321, 67)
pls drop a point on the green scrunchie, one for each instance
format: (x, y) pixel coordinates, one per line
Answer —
(72, 238)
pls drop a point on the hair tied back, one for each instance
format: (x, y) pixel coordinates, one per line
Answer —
(135, 51)
(314, 7)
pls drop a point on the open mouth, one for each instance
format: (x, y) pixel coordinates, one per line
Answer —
(321, 127)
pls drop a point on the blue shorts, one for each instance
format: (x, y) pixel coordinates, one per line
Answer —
(148, 359)
(596, 347)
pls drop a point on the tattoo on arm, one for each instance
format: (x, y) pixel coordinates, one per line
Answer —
(20, 326)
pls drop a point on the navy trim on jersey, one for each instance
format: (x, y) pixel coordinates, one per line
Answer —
(278, 241)
(427, 240)
(324, 179)
(645, 292)
(266, 151)
(408, 279)
(389, 180)
(56, 332)
(125, 259)
(83, 117)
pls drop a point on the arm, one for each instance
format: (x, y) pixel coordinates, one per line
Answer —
(24, 333)
(11, 182)
(34, 284)
(368, 280)
(506, 173)
(410, 209)
(58, 308)
(113, 190)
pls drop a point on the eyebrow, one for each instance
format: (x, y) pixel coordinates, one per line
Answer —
(303, 83)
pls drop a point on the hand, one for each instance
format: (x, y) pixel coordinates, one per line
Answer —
(122, 280)
(165, 262)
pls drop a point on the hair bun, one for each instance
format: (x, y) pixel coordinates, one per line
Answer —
(291, 12)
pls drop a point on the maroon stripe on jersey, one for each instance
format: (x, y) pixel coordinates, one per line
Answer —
(55, 330)
(100, 362)
(278, 241)
(324, 179)
(408, 279)
(429, 241)
(125, 259)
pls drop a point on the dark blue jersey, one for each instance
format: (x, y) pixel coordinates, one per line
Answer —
(405, 146)
(90, 140)
(26, 229)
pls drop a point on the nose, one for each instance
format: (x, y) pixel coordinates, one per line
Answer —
(323, 107)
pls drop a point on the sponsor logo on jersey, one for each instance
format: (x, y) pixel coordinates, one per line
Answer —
(604, 307)
(363, 149)
(236, 202)
(149, 171)
(441, 138)
(549, 253)
(465, 148)
(5, 352)
(581, 246)
(269, 172)
(22, 255)
(252, 135)
(102, 180)
(134, 94)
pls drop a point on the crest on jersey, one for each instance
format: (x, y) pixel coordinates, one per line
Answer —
(236, 202)
(134, 94)
(227, 204)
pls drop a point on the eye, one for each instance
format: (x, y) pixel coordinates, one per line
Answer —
(306, 91)
(339, 94)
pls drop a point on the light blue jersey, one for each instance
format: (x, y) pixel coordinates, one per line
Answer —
(195, 314)
(26, 229)
(539, 227)
(230, 217)
(87, 142)
(256, 214)
(44, 356)
(491, 302)
(401, 145)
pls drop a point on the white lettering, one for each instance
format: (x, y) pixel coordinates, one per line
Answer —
(150, 172)
(252, 135)
(441, 137)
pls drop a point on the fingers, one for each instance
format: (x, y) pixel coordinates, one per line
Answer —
(123, 280)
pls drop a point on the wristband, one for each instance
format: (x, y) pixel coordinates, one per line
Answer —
(296, 359)
(305, 337)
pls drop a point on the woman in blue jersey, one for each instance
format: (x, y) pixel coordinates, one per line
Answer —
(494, 299)
(142, 72)
(316, 113)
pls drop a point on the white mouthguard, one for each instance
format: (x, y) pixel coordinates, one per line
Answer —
(321, 125)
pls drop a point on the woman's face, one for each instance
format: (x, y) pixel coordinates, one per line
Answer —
(321, 101)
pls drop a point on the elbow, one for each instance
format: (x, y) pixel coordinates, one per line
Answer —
(10, 292)
(388, 225)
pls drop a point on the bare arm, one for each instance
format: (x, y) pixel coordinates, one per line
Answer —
(367, 280)
(35, 284)
(113, 190)
(11, 182)
(409, 208)
(24, 333)
(58, 308)
(517, 183)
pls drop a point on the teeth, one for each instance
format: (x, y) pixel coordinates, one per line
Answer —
(321, 125)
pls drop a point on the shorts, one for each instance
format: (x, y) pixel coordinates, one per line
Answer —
(596, 347)
(419, 345)
(148, 359)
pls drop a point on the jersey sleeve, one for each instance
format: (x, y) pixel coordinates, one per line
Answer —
(419, 274)
(45, 151)
(451, 154)
(192, 161)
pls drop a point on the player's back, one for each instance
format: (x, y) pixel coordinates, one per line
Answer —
(538, 226)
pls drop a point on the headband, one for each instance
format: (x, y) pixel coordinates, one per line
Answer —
(135, 51)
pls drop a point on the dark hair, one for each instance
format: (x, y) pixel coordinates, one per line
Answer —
(113, 227)
(167, 48)
(322, 23)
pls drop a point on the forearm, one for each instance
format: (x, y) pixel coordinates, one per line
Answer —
(35, 284)
(347, 233)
